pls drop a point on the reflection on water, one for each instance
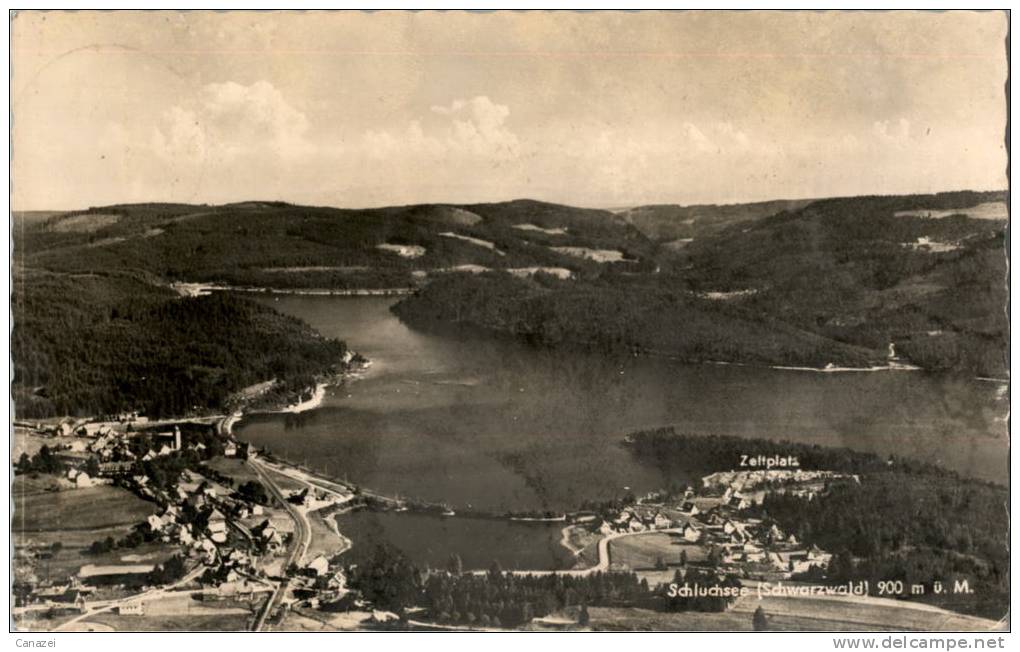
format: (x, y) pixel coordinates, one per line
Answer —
(497, 425)
(430, 540)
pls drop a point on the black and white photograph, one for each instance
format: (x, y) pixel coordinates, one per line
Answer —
(509, 321)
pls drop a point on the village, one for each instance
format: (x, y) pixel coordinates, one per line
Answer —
(227, 537)
(717, 525)
(233, 527)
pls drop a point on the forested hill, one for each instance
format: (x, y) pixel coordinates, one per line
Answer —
(830, 281)
(274, 244)
(101, 344)
(676, 225)
(833, 282)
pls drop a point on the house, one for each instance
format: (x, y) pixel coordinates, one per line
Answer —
(230, 449)
(690, 508)
(738, 502)
(93, 570)
(319, 565)
(636, 525)
(80, 478)
(691, 532)
(775, 535)
(256, 510)
(606, 528)
(155, 523)
(131, 609)
(217, 527)
(269, 534)
(661, 521)
(209, 548)
(736, 531)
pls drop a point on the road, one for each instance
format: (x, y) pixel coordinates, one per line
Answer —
(147, 595)
(600, 567)
(299, 542)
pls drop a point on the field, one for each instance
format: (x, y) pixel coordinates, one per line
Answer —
(234, 468)
(324, 539)
(632, 619)
(793, 614)
(857, 613)
(74, 519)
(642, 551)
(28, 443)
(229, 622)
(76, 509)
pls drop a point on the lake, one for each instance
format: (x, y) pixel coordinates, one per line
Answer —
(491, 424)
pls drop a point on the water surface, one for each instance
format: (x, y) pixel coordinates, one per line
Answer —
(498, 425)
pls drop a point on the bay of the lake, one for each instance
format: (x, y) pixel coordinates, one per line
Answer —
(497, 425)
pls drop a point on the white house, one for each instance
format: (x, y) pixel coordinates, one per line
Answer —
(320, 565)
(691, 532)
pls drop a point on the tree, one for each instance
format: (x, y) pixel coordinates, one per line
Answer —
(56, 546)
(683, 558)
(583, 619)
(254, 492)
(759, 620)
(715, 556)
(495, 570)
(455, 565)
(660, 563)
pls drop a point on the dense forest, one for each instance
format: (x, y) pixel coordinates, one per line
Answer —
(621, 313)
(683, 454)
(827, 281)
(830, 281)
(493, 599)
(280, 245)
(906, 520)
(93, 344)
(833, 282)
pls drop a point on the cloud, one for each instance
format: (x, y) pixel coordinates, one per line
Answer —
(697, 138)
(228, 120)
(892, 132)
(715, 138)
(473, 129)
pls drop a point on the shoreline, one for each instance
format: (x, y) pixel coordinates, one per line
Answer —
(225, 425)
(186, 289)
(894, 366)
(316, 399)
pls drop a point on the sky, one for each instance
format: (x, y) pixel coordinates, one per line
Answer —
(600, 109)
